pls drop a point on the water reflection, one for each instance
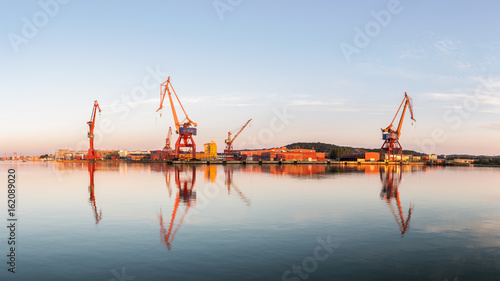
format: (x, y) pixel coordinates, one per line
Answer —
(97, 215)
(391, 178)
(228, 171)
(185, 179)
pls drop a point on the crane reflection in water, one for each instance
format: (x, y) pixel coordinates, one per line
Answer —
(391, 178)
(228, 171)
(97, 215)
(185, 179)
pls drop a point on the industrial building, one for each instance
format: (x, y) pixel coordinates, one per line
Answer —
(67, 154)
(209, 153)
(364, 157)
(283, 154)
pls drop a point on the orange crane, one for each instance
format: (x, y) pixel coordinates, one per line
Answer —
(97, 215)
(188, 197)
(91, 154)
(228, 151)
(390, 185)
(391, 147)
(187, 129)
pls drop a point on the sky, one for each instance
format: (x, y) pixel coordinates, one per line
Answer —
(304, 71)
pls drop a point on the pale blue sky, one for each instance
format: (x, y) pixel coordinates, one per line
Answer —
(250, 61)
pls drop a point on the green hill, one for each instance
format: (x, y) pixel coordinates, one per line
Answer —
(336, 150)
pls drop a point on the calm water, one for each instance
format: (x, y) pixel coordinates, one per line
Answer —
(157, 222)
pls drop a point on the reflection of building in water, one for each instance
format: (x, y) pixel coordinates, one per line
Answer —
(301, 170)
(228, 170)
(97, 215)
(185, 179)
(391, 177)
(210, 173)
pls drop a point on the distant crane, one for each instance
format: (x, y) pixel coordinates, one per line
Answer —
(187, 129)
(168, 140)
(390, 185)
(91, 154)
(391, 135)
(228, 151)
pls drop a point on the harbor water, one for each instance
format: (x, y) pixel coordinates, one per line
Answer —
(127, 221)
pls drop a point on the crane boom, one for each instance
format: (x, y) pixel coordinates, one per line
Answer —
(408, 103)
(165, 88)
(238, 133)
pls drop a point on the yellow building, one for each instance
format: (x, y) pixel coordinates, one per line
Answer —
(210, 150)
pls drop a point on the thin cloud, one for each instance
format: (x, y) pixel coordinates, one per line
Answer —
(491, 126)
(443, 96)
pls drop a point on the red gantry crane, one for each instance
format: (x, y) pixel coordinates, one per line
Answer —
(391, 147)
(186, 130)
(228, 151)
(91, 154)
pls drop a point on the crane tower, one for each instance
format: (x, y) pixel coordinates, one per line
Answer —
(91, 154)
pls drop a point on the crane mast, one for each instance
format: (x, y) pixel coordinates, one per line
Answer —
(228, 151)
(391, 147)
(91, 153)
(168, 140)
(186, 130)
